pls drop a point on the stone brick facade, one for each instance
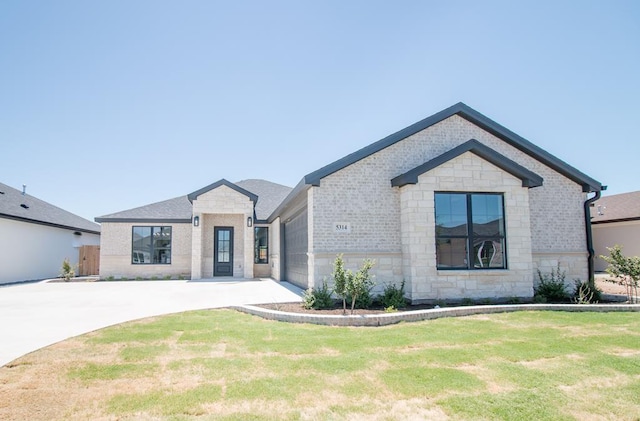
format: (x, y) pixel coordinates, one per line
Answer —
(116, 248)
(551, 216)
(350, 207)
(222, 207)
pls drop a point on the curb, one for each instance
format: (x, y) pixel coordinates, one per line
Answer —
(430, 314)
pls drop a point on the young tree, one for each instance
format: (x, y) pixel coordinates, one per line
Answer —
(68, 270)
(340, 281)
(626, 270)
(359, 283)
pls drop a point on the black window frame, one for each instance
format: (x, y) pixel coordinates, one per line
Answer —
(470, 236)
(256, 251)
(152, 248)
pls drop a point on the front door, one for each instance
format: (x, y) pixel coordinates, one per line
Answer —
(223, 251)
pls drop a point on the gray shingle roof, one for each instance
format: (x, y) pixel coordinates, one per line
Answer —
(15, 205)
(270, 195)
(617, 207)
(180, 209)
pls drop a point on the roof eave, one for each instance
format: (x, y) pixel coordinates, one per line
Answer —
(588, 184)
(49, 224)
(222, 182)
(147, 220)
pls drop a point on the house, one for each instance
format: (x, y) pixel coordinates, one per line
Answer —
(36, 237)
(616, 220)
(455, 205)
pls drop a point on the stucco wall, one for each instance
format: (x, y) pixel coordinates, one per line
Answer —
(115, 252)
(32, 251)
(625, 234)
(361, 195)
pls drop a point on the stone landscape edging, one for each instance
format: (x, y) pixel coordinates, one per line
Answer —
(384, 319)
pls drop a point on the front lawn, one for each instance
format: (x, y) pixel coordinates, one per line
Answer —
(221, 364)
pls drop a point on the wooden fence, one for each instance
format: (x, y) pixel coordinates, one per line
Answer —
(89, 260)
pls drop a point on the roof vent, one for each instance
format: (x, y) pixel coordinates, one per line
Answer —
(24, 189)
(24, 206)
(1, 192)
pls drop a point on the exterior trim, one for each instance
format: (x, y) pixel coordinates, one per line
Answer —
(611, 221)
(529, 178)
(145, 220)
(48, 224)
(302, 186)
(588, 184)
(219, 183)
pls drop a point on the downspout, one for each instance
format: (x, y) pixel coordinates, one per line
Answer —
(587, 225)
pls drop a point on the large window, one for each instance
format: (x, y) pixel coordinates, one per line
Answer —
(261, 252)
(470, 231)
(151, 245)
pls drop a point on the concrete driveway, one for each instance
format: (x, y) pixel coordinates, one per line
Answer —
(36, 315)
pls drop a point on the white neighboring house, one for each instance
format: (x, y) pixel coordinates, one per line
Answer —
(36, 237)
(616, 220)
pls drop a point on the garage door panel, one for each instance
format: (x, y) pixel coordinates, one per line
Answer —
(296, 247)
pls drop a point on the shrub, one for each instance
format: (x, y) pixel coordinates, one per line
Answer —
(353, 287)
(318, 298)
(584, 293)
(359, 285)
(551, 286)
(340, 281)
(392, 296)
(467, 302)
(363, 300)
(68, 270)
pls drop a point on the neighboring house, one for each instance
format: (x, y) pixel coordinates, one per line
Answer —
(36, 237)
(616, 220)
(455, 205)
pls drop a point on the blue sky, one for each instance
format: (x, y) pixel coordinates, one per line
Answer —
(110, 105)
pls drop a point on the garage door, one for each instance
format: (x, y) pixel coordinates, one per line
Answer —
(295, 250)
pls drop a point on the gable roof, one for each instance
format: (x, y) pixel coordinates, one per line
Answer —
(265, 194)
(529, 178)
(193, 196)
(462, 110)
(26, 208)
(616, 208)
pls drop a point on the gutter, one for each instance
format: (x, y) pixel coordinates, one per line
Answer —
(587, 225)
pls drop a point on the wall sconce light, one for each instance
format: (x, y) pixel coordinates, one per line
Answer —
(249, 221)
(196, 221)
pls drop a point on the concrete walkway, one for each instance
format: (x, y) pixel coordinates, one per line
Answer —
(35, 315)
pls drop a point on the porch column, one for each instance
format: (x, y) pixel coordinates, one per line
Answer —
(248, 246)
(196, 249)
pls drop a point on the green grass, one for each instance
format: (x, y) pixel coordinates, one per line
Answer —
(227, 365)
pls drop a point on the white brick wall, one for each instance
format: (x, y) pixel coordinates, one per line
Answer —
(115, 252)
(226, 207)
